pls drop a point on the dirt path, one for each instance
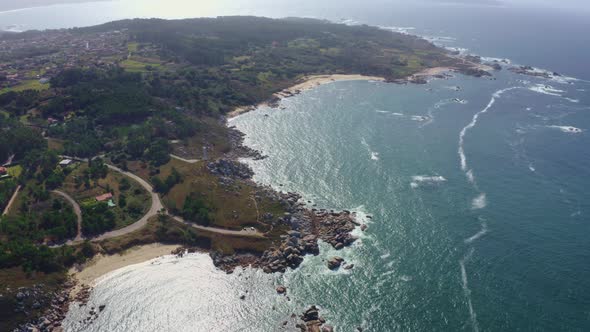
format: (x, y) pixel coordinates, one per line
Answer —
(190, 161)
(244, 232)
(77, 211)
(11, 201)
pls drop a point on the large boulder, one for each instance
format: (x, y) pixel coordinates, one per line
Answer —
(335, 262)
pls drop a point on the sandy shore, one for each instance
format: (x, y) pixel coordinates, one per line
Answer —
(307, 83)
(101, 265)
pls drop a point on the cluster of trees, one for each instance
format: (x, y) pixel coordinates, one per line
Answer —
(18, 139)
(97, 219)
(164, 187)
(243, 60)
(195, 209)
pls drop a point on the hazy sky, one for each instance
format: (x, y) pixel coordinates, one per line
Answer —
(568, 4)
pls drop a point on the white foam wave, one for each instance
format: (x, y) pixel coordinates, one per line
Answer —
(546, 90)
(398, 114)
(532, 168)
(567, 129)
(462, 156)
(482, 232)
(380, 111)
(467, 291)
(572, 100)
(479, 202)
(384, 256)
(373, 155)
(419, 118)
(419, 180)
(402, 30)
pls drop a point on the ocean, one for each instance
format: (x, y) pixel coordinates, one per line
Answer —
(477, 189)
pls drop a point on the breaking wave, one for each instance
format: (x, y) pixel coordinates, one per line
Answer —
(419, 180)
(567, 129)
(482, 232)
(479, 202)
(467, 291)
(546, 90)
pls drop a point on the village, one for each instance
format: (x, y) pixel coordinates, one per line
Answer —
(29, 63)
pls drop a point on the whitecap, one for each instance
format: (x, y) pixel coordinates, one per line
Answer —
(380, 111)
(572, 100)
(419, 180)
(546, 90)
(398, 114)
(467, 291)
(479, 202)
(405, 278)
(374, 155)
(419, 118)
(532, 168)
(482, 232)
(470, 125)
(567, 129)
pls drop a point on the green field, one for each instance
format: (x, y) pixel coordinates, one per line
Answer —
(27, 85)
(139, 66)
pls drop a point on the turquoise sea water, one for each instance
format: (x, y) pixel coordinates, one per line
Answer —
(498, 246)
(497, 243)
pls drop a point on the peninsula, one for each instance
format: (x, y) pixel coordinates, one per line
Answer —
(115, 136)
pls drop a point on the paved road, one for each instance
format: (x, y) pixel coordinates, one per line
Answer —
(11, 201)
(245, 232)
(77, 211)
(155, 207)
(153, 211)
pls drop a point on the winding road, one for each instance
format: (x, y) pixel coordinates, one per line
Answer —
(77, 211)
(155, 207)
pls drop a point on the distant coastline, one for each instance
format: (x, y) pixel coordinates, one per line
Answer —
(29, 4)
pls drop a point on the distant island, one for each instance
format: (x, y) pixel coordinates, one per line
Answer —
(115, 136)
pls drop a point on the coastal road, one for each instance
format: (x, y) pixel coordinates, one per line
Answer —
(77, 211)
(11, 201)
(155, 207)
(244, 232)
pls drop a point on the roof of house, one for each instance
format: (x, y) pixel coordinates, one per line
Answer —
(65, 162)
(104, 197)
(3, 170)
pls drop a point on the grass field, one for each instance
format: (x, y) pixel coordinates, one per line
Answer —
(27, 85)
(15, 171)
(137, 66)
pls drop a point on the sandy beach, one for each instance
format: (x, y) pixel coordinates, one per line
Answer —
(101, 265)
(307, 83)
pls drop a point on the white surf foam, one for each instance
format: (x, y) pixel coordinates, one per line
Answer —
(572, 100)
(479, 202)
(373, 154)
(467, 291)
(567, 129)
(419, 180)
(419, 118)
(532, 168)
(546, 90)
(482, 232)
(398, 114)
(380, 111)
(462, 156)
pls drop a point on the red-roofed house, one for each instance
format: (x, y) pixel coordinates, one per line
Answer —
(3, 171)
(104, 197)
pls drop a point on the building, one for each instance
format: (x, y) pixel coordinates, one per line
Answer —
(65, 162)
(104, 197)
(3, 171)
